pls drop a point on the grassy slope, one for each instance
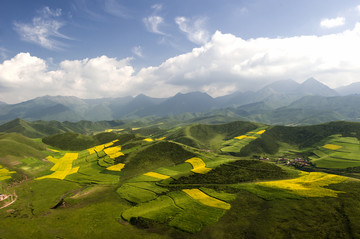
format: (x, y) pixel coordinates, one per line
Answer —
(346, 156)
(97, 212)
(211, 136)
(22, 154)
(301, 136)
(17, 145)
(75, 141)
(93, 216)
(37, 129)
(155, 155)
(253, 217)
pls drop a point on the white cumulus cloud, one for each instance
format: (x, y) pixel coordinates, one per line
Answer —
(194, 29)
(332, 22)
(224, 64)
(25, 77)
(43, 30)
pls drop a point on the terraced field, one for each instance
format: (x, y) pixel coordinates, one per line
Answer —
(237, 143)
(180, 209)
(5, 173)
(337, 152)
(308, 184)
(88, 166)
(157, 182)
(177, 208)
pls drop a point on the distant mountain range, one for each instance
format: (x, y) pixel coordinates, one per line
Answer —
(282, 102)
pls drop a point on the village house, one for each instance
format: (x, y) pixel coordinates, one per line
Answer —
(283, 160)
(264, 159)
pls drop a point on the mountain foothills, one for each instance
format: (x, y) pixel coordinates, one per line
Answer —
(282, 102)
(131, 179)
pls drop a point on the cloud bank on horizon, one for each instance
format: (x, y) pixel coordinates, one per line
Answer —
(220, 63)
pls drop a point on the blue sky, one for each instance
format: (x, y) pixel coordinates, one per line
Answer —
(113, 48)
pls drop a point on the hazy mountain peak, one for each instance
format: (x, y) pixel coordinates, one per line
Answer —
(282, 86)
(312, 81)
(353, 88)
(65, 100)
(141, 96)
(191, 97)
(314, 87)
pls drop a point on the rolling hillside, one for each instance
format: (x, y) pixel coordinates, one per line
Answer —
(39, 129)
(183, 182)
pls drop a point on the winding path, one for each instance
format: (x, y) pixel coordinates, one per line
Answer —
(8, 204)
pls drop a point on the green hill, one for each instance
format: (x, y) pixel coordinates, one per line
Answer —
(75, 141)
(14, 144)
(181, 182)
(39, 129)
(156, 155)
(211, 136)
(22, 155)
(299, 136)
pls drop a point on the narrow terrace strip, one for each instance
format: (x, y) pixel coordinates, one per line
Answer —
(157, 175)
(205, 199)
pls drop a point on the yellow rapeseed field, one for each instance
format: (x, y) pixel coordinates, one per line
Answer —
(332, 146)
(100, 147)
(251, 137)
(206, 199)
(97, 148)
(157, 175)
(108, 144)
(198, 165)
(162, 138)
(111, 130)
(309, 184)
(117, 167)
(91, 150)
(113, 152)
(115, 155)
(5, 173)
(241, 137)
(62, 167)
(52, 159)
(148, 140)
(245, 136)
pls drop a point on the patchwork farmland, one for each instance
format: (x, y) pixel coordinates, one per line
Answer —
(338, 152)
(186, 181)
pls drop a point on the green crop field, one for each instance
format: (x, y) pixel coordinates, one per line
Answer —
(177, 209)
(338, 152)
(182, 186)
(237, 143)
